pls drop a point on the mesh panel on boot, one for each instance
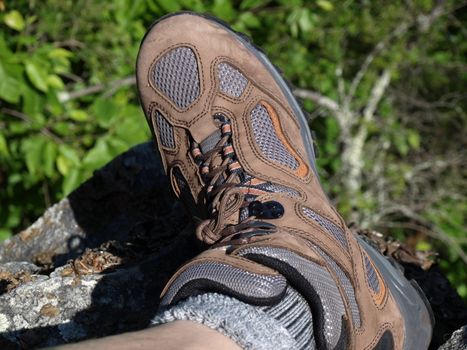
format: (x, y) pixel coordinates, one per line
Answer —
(270, 187)
(166, 133)
(237, 281)
(266, 137)
(210, 142)
(371, 274)
(320, 279)
(176, 75)
(276, 188)
(294, 313)
(327, 225)
(232, 82)
(345, 283)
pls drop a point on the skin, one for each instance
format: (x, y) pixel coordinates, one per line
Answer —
(185, 335)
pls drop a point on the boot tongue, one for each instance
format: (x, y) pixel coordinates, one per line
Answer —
(210, 142)
(243, 179)
(207, 145)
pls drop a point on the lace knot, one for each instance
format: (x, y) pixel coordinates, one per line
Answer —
(221, 171)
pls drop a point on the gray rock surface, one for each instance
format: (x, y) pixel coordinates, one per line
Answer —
(458, 340)
(99, 257)
(95, 263)
(56, 232)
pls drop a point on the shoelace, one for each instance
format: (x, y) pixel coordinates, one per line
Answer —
(223, 196)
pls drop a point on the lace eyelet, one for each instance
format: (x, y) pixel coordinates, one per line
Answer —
(266, 210)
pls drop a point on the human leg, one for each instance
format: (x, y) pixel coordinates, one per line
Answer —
(176, 335)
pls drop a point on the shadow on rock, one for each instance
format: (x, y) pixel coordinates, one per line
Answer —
(104, 255)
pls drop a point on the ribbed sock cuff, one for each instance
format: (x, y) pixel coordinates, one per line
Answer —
(250, 327)
(285, 325)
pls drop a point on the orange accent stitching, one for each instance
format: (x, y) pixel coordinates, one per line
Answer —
(379, 297)
(302, 170)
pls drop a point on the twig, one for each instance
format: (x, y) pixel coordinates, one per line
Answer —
(19, 115)
(340, 82)
(46, 192)
(70, 43)
(376, 95)
(321, 100)
(90, 90)
(379, 47)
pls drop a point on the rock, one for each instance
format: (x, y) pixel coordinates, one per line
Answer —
(458, 340)
(16, 267)
(100, 256)
(95, 263)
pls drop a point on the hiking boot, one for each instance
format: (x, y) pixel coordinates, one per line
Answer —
(238, 151)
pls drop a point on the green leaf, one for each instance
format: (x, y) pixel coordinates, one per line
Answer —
(60, 53)
(10, 88)
(194, 5)
(71, 181)
(223, 9)
(70, 154)
(117, 146)
(63, 165)
(104, 111)
(50, 154)
(250, 20)
(54, 106)
(169, 5)
(67, 159)
(37, 76)
(401, 143)
(55, 82)
(33, 101)
(325, 5)
(98, 155)
(60, 60)
(63, 128)
(249, 4)
(305, 21)
(423, 245)
(3, 145)
(414, 139)
(14, 20)
(32, 149)
(79, 115)
(131, 130)
(292, 20)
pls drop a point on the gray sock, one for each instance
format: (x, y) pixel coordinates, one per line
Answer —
(287, 325)
(294, 314)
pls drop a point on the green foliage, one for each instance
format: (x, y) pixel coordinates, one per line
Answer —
(53, 136)
(49, 142)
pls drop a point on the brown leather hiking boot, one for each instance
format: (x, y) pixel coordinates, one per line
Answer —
(239, 154)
